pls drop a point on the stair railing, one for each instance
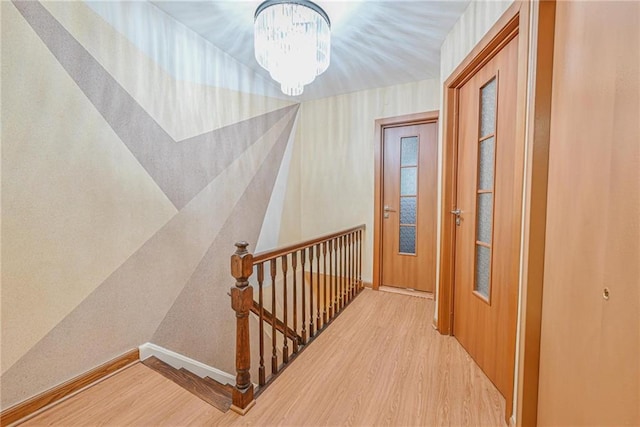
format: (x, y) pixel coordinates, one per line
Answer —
(318, 279)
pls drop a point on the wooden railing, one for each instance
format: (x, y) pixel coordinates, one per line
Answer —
(308, 285)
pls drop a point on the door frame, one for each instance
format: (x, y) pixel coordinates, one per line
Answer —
(380, 126)
(505, 30)
(535, 23)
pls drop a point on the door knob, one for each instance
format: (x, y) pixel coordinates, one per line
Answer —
(388, 209)
(457, 213)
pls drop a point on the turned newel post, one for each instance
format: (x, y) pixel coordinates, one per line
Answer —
(241, 301)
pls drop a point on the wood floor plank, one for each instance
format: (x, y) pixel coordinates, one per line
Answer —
(379, 363)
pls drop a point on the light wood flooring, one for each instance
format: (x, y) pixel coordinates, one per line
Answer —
(380, 363)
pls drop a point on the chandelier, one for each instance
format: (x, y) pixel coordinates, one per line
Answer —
(292, 41)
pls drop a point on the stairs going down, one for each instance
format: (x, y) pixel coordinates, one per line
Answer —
(211, 391)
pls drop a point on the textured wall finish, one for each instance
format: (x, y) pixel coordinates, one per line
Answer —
(193, 310)
(113, 230)
(273, 218)
(474, 23)
(151, 39)
(180, 169)
(181, 106)
(60, 200)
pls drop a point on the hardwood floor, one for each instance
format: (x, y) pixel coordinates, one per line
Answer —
(380, 363)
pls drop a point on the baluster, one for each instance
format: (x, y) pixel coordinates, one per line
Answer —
(324, 279)
(261, 372)
(346, 270)
(357, 266)
(360, 259)
(318, 288)
(331, 306)
(285, 347)
(294, 265)
(341, 272)
(336, 294)
(351, 288)
(311, 329)
(348, 237)
(349, 265)
(274, 353)
(304, 299)
(338, 271)
(353, 265)
(241, 302)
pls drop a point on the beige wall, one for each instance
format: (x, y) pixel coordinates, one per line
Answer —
(334, 159)
(126, 179)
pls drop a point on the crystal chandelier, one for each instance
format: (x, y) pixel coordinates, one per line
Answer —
(292, 41)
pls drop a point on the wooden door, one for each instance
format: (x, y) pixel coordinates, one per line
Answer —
(489, 198)
(409, 206)
(590, 340)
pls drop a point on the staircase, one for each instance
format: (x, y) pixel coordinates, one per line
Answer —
(211, 391)
(300, 289)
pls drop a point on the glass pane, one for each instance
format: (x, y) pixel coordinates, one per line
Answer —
(407, 210)
(407, 240)
(485, 175)
(408, 181)
(409, 151)
(488, 108)
(485, 216)
(483, 261)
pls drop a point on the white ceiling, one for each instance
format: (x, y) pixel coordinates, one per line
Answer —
(374, 43)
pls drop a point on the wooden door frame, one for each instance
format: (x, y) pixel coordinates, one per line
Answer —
(535, 22)
(380, 125)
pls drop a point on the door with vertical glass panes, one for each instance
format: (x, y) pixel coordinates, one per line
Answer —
(488, 217)
(409, 206)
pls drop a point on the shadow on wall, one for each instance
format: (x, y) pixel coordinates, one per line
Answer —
(114, 232)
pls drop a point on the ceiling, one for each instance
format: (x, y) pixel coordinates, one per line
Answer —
(373, 44)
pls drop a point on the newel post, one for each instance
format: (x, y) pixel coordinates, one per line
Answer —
(241, 301)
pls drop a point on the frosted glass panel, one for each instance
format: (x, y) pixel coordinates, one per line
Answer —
(483, 262)
(409, 151)
(408, 181)
(485, 216)
(488, 108)
(485, 175)
(407, 240)
(408, 210)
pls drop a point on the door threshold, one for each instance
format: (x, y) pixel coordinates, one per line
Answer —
(409, 292)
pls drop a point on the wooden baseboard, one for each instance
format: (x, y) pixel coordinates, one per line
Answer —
(36, 403)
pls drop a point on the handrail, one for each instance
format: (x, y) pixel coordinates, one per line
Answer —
(278, 252)
(327, 270)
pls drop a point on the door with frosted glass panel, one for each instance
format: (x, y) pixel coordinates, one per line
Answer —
(409, 206)
(488, 218)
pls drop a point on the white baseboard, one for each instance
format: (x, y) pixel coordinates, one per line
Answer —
(178, 361)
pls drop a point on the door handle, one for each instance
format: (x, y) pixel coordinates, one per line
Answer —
(457, 213)
(388, 209)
